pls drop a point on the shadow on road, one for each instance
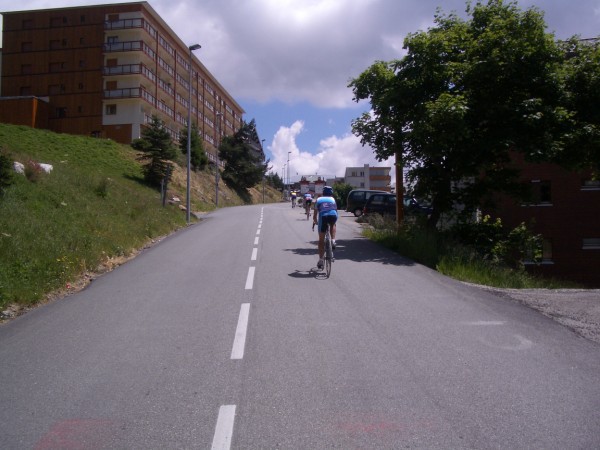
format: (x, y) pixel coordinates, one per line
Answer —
(359, 250)
(311, 273)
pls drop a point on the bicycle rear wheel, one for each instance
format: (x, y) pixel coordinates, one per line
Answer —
(328, 253)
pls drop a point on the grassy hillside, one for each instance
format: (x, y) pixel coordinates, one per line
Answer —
(92, 211)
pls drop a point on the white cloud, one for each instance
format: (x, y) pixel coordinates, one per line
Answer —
(331, 159)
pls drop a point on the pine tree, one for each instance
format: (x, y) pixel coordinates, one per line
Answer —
(198, 157)
(158, 152)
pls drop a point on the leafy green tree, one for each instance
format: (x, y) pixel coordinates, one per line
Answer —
(340, 193)
(244, 164)
(198, 157)
(158, 152)
(6, 172)
(467, 93)
(581, 97)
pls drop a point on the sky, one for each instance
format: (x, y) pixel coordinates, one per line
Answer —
(288, 62)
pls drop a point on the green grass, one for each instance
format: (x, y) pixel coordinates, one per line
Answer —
(93, 206)
(438, 252)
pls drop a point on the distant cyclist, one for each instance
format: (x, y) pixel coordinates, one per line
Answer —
(307, 201)
(293, 195)
(325, 213)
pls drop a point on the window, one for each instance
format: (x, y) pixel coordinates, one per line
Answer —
(54, 44)
(81, 41)
(26, 69)
(590, 185)
(26, 46)
(57, 21)
(27, 24)
(61, 112)
(546, 249)
(539, 192)
(81, 63)
(54, 89)
(111, 110)
(25, 90)
(82, 19)
(56, 66)
(591, 243)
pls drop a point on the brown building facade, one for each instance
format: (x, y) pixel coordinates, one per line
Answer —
(564, 207)
(106, 69)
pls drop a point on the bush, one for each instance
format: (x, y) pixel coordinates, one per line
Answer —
(33, 171)
(494, 243)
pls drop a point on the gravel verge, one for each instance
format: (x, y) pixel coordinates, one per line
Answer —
(576, 309)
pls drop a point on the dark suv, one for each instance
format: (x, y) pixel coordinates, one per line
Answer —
(385, 204)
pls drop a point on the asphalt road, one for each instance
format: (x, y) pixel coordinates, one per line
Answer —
(225, 335)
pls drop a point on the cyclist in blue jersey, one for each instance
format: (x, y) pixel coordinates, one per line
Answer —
(307, 201)
(325, 213)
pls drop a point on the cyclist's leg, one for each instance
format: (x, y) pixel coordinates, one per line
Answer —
(333, 230)
(321, 229)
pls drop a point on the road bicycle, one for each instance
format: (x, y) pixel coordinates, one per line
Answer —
(307, 208)
(328, 257)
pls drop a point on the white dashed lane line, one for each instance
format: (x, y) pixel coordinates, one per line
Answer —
(250, 278)
(224, 428)
(237, 352)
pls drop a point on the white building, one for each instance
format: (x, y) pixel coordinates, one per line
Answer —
(376, 178)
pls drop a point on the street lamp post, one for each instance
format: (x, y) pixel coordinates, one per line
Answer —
(288, 172)
(189, 135)
(217, 159)
(283, 177)
(262, 145)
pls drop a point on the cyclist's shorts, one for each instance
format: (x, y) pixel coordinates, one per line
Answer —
(324, 220)
(308, 202)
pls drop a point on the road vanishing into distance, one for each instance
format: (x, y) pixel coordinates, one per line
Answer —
(225, 335)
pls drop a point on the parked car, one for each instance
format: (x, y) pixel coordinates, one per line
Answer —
(385, 204)
(357, 198)
(382, 203)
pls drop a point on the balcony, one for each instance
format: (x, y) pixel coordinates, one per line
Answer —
(125, 69)
(123, 93)
(129, 46)
(123, 24)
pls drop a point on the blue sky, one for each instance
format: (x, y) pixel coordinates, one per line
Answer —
(288, 62)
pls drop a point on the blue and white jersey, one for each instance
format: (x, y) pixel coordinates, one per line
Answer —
(326, 206)
(308, 197)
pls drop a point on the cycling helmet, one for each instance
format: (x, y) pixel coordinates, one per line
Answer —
(328, 191)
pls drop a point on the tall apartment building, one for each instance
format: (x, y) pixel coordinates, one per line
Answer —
(104, 70)
(376, 178)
